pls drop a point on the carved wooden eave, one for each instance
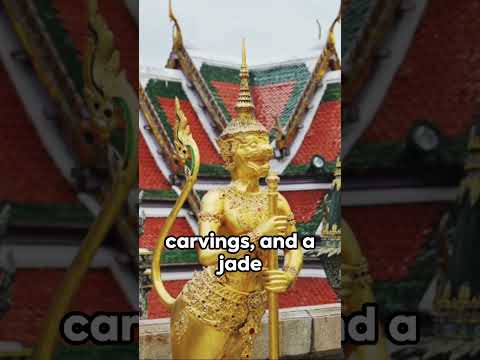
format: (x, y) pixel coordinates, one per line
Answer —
(179, 58)
(328, 61)
(187, 66)
(156, 127)
(51, 71)
(360, 60)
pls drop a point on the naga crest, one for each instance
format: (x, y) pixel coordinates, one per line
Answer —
(108, 95)
(182, 135)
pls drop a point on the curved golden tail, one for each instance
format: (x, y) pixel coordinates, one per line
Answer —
(187, 150)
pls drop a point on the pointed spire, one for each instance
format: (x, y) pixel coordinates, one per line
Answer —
(245, 121)
(244, 54)
(244, 103)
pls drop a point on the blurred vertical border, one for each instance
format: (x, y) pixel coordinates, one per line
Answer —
(55, 176)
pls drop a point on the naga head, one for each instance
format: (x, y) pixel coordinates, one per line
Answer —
(244, 143)
(101, 68)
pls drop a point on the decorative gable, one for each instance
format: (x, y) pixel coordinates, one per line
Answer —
(162, 95)
(276, 90)
(324, 135)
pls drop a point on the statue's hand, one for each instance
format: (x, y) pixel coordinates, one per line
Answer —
(275, 226)
(277, 281)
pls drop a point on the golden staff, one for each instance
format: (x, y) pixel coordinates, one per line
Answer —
(273, 342)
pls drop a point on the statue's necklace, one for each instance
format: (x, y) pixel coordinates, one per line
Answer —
(251, 208)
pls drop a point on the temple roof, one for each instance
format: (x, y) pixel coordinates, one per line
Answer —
(322, 137)
(439, 92)
(37, 174)
(24, 159)
(390, 246)
(301, 96)
(276, 93)
(440, 96)
(67, 24)
(30, 167)
(275, 90)
(23, 322)
(39, 164)
(286, 95)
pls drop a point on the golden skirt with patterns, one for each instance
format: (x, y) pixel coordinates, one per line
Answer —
(214, 303)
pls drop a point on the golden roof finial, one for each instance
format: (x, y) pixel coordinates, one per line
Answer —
(244, 103)
(177, 34)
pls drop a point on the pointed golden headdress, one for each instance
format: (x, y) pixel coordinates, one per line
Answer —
(245, 121)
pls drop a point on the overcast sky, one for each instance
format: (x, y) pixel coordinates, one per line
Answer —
(274, 29)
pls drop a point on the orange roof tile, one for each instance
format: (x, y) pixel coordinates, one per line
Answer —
(29, 175)
(306, 291)
(276, 90)
(304, 203)
(270, 100)
(23, 322)
(74, 17)
(152, 228)
(228, 92)
(150, 176)
(438, 78)
(390, 246)
(324, 136)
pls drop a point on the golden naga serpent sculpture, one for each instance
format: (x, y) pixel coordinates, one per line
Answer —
(188, 155)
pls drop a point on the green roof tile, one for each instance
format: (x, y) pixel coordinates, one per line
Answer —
(168, 89)
(297, 73)
(49, 214)
(333, 92)
(61, 40)
(356, 16)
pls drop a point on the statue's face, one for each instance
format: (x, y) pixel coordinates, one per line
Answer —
(252, 155)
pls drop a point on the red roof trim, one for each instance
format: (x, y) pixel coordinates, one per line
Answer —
(29, 175)
(390, 246)
(152, 226)
(324, 135)
(150, 176)
(208, 153)
(23, 322)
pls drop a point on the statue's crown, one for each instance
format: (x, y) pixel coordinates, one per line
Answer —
(245, 120)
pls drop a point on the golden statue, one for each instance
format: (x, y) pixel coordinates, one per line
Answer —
(356, 290)
(218, 317)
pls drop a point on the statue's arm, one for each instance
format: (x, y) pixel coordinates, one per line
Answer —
(211, 219)
(293, 257)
